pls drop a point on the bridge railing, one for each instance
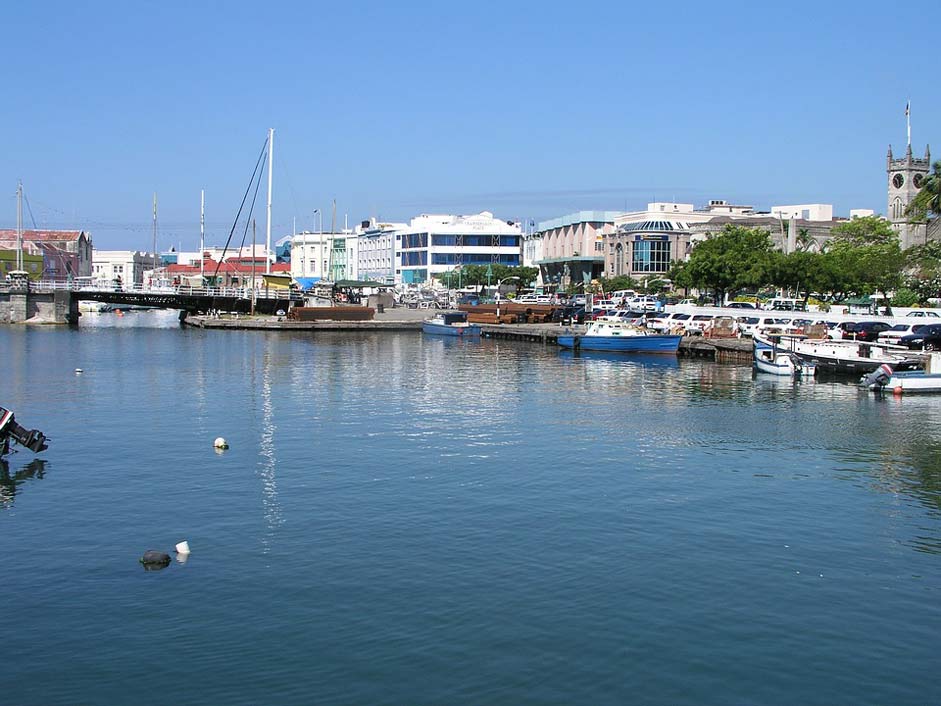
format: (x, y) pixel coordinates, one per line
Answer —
(177, 290)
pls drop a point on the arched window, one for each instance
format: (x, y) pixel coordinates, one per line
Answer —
(897, 208)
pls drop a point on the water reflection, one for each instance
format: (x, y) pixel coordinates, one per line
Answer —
(9, 482)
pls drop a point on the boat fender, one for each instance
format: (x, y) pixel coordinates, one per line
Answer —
(154, 560)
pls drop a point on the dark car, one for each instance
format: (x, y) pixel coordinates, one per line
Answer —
(869, 330)
(859, 330)
(926, 338)
(575, 314)
(740, 305)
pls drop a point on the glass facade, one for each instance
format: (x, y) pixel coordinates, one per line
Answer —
(651, 255)
(414, 240)
(473, 241)
(412, 259)
(465, 258)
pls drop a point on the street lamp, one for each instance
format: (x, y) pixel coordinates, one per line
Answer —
(499, 283)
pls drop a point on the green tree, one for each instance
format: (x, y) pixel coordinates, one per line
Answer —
(866, 230)
(617, 283)
(734, 259)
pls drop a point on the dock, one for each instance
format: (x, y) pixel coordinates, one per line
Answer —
(721, 350)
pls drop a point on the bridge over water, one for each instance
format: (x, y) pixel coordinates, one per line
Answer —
(58, 301)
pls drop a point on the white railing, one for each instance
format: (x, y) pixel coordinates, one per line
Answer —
(178, 290)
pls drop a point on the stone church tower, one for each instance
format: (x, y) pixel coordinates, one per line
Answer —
(905, 177)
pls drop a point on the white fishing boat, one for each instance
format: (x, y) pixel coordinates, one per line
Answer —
(772, 359)
(845, 357)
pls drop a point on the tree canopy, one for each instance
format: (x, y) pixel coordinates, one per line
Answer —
(734, 259)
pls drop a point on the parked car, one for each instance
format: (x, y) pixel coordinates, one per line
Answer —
(697, 323)
(870, 330)
(569, 313)
(927, 338)
(895, 334)
(645, 304)
(923, 313)
(740, 305)
(686, 302)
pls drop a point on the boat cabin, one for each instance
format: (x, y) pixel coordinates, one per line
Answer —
(450, 319)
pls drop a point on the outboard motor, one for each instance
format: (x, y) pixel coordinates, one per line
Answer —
(33, 439)
(877, 378)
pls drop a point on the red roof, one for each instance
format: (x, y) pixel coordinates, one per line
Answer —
(43, 235)
(233, 265)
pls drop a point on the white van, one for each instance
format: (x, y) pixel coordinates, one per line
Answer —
(785, 304)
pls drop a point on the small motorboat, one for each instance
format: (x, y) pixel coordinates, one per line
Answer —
(886, 378)
(450, 324)
(772, 359)
(620, 336)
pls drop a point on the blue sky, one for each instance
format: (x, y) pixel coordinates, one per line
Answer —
(529, 110)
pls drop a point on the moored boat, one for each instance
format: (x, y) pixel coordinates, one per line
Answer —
(845, 357)
(450, 324)
(620, 336)
(886, 378)
(772, 359)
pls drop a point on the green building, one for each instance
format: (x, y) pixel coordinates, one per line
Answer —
(31, 263)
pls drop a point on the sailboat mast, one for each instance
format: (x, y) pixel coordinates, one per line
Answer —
(202, 231)
(268, 228)
(19, 226)
(153, 277)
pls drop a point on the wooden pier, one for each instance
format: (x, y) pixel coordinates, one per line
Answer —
(721, 350)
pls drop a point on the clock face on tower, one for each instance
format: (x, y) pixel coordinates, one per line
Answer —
(897, 181)
(916, 180)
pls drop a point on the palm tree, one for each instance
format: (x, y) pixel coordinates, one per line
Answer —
(805, 241)
(927, 202)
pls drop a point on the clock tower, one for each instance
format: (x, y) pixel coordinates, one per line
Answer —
(905, 177)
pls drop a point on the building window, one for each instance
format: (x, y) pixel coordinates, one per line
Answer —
(651, 256)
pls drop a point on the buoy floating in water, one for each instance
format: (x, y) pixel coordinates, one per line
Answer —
(220, 443)
(154, 560)
(183, 547)
(79, 371)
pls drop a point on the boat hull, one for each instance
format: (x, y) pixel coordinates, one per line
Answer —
(623, 344)
(466, 331)
(914, 381)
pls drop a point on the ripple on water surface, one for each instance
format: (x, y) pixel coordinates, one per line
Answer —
(403, 519)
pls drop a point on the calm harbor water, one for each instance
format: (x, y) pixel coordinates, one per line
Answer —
(409, 520)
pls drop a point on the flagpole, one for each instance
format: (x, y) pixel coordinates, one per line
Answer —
(908, 121)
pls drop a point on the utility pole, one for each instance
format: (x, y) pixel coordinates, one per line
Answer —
(19, 226)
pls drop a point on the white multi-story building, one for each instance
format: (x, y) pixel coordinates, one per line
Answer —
(435, 244)
(377, 253)
(327, 256)
(127, 265)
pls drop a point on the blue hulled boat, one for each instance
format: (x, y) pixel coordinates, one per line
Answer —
(621, 337)
(452, 324)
